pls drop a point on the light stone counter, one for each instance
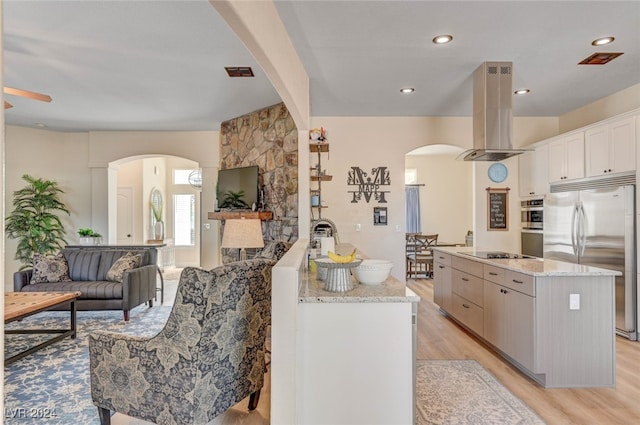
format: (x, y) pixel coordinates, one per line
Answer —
(390, 291)
(530, 266)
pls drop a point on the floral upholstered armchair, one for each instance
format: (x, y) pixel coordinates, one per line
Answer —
(209, 356)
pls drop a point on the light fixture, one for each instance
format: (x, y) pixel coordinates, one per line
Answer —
(407, 90)
(239, 71)
(521, 91)
(442, 39)
(242, 233)
(602, 41)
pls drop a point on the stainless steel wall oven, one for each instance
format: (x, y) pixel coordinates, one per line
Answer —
(531, 214)
(532, 224)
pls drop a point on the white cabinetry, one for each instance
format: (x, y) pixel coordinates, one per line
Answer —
(526, 317)
(508, 317)
(566, 157)
(442, 280)
(532, 166)
(467, 293)
(611, 148)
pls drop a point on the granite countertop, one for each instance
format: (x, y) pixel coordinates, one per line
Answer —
(531, 266)
(390, 291)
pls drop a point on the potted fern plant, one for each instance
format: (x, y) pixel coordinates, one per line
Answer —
(34, 220)
(89, 237)
(233, 200)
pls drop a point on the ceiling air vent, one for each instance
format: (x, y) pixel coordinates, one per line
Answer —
(239, 71)
(599, 58)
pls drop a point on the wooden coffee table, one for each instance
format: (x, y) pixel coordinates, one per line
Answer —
(18, 305)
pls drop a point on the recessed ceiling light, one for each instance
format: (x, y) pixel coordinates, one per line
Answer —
(522, 91)
(602, 41)
(407, 90)
(442, 39)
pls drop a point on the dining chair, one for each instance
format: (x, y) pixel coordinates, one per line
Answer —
(410, 248)
(421, 260)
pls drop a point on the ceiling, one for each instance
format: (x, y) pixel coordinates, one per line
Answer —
(159, 65)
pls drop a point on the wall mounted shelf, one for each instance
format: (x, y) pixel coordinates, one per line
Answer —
(234, 215)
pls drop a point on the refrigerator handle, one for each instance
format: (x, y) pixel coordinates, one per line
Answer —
(574, 229)
(583, 229)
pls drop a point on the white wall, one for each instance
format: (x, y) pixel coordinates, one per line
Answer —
(369, 142)
(607, 107)
(79, 163)
(446, 199)
(61, 157)
(508, 240)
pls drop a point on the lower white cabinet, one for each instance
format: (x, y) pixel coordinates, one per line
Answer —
(528, 319)
(442, 281)
(508, 322)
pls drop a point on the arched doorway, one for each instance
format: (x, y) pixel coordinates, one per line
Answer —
(137, 178)
(445, 187)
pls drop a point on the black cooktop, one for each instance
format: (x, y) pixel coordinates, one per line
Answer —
(495, 254)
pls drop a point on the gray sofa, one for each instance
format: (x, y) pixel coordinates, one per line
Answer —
(88, 267)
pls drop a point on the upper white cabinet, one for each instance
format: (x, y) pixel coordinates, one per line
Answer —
(611, 148)
(566, 157)
(532, 167)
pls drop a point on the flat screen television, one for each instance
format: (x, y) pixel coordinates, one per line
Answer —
(243, 179)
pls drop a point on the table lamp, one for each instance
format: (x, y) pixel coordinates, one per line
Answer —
(242, 233)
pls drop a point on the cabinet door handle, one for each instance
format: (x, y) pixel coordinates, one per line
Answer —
(517, 281)
(493, 274)
(441, 267)
(465, 279)
(465, 306)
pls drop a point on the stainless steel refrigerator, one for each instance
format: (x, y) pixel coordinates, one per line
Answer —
(596, 227)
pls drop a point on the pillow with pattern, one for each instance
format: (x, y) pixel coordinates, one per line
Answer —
(50, 269)
(127, 262)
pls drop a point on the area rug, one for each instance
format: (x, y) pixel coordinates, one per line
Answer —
(464, 392)
(54, 383)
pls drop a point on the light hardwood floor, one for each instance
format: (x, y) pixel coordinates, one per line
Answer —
(441, 338)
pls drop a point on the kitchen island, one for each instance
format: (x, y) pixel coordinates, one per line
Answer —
(553, 320)
(340, 357)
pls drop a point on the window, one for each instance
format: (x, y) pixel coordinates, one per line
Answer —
(181, 176)
(410, 176)
(184, 219)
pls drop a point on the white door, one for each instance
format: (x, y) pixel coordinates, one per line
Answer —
(124, 229)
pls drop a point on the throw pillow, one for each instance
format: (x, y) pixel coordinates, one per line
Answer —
(127, 262)
(47, 269)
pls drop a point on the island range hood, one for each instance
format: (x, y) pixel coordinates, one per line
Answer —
(492, 113)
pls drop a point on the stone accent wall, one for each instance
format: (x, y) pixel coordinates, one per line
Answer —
(267, 138)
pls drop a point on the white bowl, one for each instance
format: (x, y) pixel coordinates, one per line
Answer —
(373, 272)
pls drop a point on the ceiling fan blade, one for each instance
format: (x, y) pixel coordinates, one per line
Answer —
(7, 105)
(28, 94)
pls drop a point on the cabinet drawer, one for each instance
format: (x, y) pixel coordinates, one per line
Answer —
(442, 258)
(467, 266)
(494, 274)
(520, 282)
(468, 314)
(468, 286)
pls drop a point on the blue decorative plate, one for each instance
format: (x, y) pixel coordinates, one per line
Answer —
(498, 172)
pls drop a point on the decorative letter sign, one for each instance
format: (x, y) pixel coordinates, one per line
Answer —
(368, 185)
